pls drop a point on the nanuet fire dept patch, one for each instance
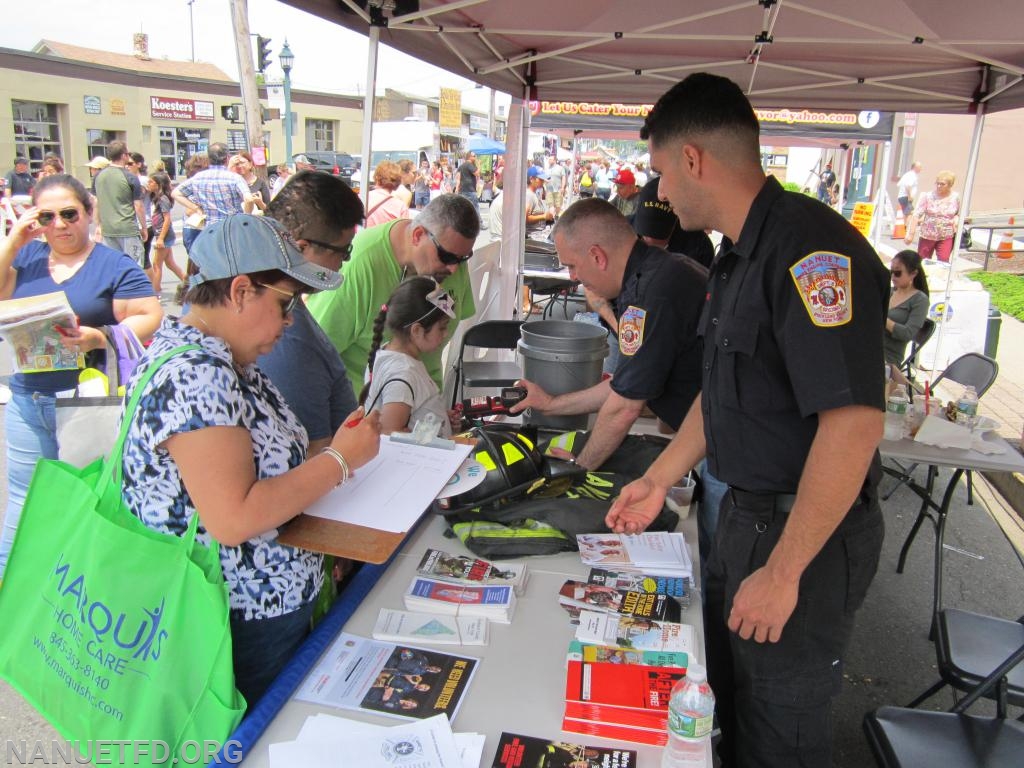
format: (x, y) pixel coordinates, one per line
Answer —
(823, 280)
(631, 330)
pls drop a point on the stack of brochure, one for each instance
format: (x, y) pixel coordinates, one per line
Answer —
(576, 596)
(679, 588)
(433, 596)
(657, 554)
(516, 751)
(634, 632)
(462, 569)
(409, 627)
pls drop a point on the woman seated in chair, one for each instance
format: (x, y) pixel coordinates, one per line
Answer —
(397, 383)
(908, 304)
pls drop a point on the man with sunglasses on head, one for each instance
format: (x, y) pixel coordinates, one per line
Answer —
(321, 213)
(120, 215)
(437, 243)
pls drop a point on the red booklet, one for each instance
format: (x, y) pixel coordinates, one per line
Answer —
(623, 694)
(655, 736)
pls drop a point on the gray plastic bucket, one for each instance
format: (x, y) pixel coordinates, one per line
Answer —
(562, 356)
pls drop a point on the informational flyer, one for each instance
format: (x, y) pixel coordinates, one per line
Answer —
(400, 680)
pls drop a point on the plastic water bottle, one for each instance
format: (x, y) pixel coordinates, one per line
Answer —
(967, 408)
(896, 408)
(691, 711)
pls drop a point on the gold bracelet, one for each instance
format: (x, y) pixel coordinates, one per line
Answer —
(336, 455)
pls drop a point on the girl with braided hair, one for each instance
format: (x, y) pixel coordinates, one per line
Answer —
(397, 383)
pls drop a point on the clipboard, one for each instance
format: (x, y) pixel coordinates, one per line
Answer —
(398, 487)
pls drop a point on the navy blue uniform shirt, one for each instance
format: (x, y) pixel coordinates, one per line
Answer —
(658, 310)
(793, 326)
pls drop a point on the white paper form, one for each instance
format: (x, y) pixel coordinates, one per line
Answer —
(423, 744)
(327, 728)
(391, 492)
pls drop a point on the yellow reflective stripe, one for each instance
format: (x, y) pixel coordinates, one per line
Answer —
(485, 458)
(597, 480)
(512, 453)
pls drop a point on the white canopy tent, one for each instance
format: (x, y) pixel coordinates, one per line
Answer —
(887, 55)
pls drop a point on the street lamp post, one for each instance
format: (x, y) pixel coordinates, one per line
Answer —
(287, 59)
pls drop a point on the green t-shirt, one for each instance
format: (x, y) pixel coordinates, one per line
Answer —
(116, 193)
(371, 275)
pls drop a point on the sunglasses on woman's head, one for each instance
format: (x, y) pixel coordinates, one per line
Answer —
(69, 215)
(446, 256)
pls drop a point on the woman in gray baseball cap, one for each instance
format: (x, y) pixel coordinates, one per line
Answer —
(213, 434)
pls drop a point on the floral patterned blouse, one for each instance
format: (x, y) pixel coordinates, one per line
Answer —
(203, 388)
(936, 215)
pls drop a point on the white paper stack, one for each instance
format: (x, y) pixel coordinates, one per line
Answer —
(658, 554)
(409, 627)
(432, 596)
(429, 743)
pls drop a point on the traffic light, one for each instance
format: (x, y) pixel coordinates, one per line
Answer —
(262, 53)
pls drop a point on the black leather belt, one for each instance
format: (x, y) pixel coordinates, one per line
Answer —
(767, 504)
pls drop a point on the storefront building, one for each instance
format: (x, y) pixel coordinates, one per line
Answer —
(73, 101)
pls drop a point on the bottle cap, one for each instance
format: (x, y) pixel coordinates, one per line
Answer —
(696, 672)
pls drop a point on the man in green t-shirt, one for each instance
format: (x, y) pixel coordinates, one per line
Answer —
(120, 216)
(436, 243)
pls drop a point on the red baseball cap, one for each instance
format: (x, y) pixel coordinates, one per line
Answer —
(625, 177)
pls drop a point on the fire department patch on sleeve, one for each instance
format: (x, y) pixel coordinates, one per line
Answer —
(823, 280)
(631, 330)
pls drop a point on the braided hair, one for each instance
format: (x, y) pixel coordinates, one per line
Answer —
(407, 306)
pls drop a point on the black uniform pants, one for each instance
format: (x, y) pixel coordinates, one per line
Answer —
(774, 699)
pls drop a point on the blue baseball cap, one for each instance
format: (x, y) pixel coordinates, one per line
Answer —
(536, 172)
(242, 244)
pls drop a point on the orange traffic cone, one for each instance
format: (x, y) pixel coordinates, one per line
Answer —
(1005, 249)
(899, 229)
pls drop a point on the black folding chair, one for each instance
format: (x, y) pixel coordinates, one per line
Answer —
(970, 370)
(913, 738)
(490, 334)
(909, 363)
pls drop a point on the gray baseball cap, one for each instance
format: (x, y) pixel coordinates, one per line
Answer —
(242, 244)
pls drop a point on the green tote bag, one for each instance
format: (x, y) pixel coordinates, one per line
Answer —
(114, 631)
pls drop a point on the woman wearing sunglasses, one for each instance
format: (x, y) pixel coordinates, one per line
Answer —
(908, 304)
(103, 286)
(213, 437)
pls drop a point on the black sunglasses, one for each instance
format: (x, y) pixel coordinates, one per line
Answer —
(293, 298)
(446, 256)
(896, 272)
(69, 215)
(343, 250)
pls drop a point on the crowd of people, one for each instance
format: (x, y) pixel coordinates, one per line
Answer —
(297, 298)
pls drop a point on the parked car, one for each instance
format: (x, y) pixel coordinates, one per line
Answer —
(340, 164)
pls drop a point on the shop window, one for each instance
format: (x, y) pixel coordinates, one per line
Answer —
(178, 144)
(320, 135)
(96, 141)
(36, 131)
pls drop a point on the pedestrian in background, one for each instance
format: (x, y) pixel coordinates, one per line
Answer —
(937, 216)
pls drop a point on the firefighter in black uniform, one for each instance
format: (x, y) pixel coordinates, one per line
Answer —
(790, 417)
(653, 300)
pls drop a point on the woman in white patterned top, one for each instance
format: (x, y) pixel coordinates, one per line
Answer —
(212, 433)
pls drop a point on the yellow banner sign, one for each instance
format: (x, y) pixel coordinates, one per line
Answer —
(450, 108)
(862, 215)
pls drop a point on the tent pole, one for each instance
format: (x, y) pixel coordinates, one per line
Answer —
(368, 105)
(513, 210)
(881, 195)
(965, 207)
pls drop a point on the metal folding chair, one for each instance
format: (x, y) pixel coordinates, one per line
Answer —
(909, 364)
(970, 369)
(490, 334)
(902, 737)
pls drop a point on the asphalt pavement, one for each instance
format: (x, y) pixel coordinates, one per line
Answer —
(890, 659)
